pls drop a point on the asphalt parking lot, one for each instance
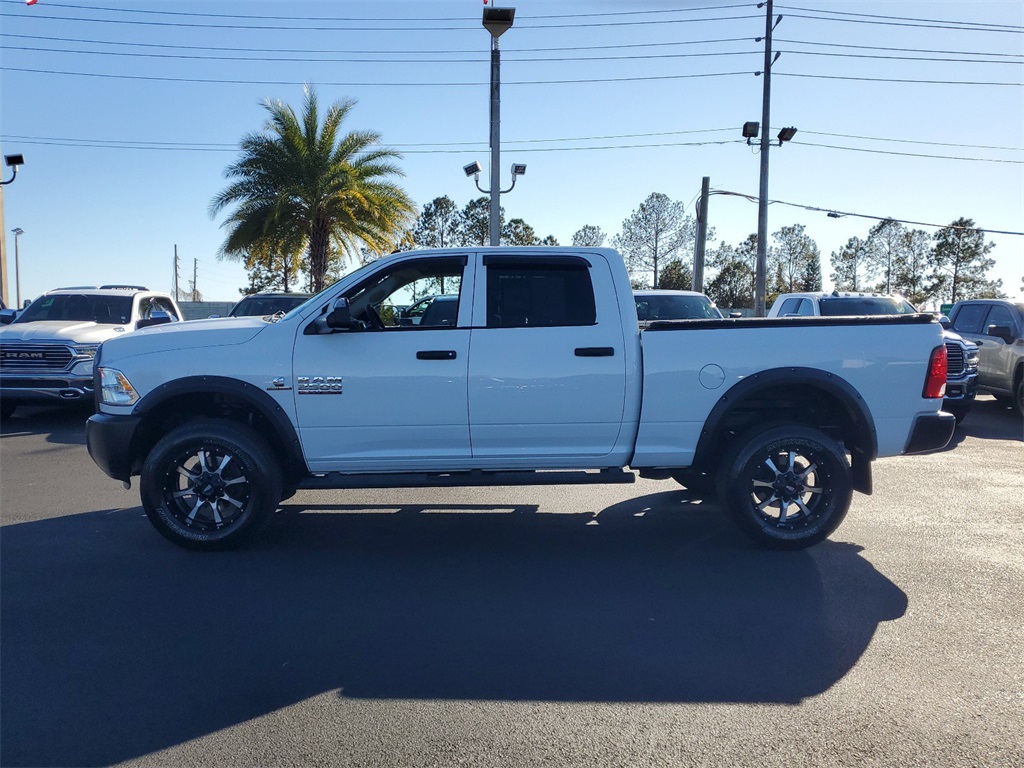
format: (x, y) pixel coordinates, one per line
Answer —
(549, 626)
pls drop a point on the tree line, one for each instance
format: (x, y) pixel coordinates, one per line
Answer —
(306, 200)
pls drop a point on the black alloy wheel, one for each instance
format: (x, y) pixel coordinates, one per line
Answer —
(787, 487)
(210, 484)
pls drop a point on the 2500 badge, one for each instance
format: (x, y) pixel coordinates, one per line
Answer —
(320, 385)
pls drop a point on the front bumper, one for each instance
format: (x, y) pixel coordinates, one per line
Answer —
(931, 431)
(961, 389)
(45, 389)
(109, 439)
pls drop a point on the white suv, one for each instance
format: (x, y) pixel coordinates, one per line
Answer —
(47, 350)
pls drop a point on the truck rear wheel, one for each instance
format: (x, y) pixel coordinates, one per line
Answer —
(787, 487)
(210, 484)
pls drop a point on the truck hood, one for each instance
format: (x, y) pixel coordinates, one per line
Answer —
(61, 331)
(192, 334)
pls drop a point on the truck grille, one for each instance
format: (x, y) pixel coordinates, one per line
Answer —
(34, 357)
(955, 357)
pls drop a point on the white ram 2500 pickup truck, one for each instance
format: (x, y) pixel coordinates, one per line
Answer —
(537, 374)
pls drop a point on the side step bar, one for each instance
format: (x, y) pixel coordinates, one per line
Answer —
(338, 480)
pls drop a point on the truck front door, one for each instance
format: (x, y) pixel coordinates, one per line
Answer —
(387, 396)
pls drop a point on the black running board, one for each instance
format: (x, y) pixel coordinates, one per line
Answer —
(338, 480)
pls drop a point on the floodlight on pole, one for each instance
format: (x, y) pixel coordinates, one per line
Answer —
(786, 134)
(13, 162)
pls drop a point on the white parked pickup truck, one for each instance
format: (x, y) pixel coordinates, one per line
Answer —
(544, 377)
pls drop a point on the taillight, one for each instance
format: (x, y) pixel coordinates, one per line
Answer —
(935, 381)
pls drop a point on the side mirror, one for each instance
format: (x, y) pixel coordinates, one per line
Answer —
(7, 316)
(339, 317)
(157, 318)
(1003, 332)
(944, 322)
(735, 314)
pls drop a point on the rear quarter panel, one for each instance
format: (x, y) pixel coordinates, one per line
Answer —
(687, 372)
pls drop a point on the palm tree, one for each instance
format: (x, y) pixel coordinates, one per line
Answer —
(301, 183)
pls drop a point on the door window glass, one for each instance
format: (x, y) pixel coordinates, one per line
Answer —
(969, 318)
(530, 294)
(431, 286)
(999, 315)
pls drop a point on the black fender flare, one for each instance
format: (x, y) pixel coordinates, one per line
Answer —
(260, 401)
(866, 438)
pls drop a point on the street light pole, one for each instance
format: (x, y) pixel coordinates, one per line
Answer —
(18, 232)
(760, 281)
(497, 21)
(495, 211)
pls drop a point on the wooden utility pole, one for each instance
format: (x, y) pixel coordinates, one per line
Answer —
(177, 293)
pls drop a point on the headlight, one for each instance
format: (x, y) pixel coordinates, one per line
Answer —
(86, 351)
(117, 390)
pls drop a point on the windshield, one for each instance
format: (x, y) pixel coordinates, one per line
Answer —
(865, 305)
(108, 310)
(266, 305)
(319, 296)
(674, 307)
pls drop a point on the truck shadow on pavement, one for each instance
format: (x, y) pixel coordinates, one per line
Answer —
(116, 644)
(989, 419)
(61, 425)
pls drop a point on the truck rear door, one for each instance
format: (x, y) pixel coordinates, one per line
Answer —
(547, 370)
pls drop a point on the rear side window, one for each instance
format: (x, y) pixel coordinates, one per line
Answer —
(535, 294)
(970, 318)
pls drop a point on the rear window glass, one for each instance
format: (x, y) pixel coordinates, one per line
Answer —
(864, 305)
(673, 307)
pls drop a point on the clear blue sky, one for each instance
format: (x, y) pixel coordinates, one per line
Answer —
(126, 124)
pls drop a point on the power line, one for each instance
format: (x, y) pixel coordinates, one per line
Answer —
(895, 80)
(565, 81)
(404, 52)
(913, 141)
(899, 50)
(906, 154)
(81, 7)
(481, 58)
(1012, 30)
(417, 28)
(899, 18)
(154, 78)
(476, 52)
(897, 58)
(477, 61)
(402, 146)
(837, 213)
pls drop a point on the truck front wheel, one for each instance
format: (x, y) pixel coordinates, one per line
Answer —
(787, 487)
(210, 484)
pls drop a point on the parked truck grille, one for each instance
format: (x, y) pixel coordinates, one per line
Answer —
(955, 357)
(33, 357)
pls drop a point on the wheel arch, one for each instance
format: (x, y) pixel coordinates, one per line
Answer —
(801, 395)
(189, 398)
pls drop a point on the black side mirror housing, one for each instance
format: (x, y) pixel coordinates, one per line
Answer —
(7, 316)
(1003, 332)
(945, 323)
(340, 317)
